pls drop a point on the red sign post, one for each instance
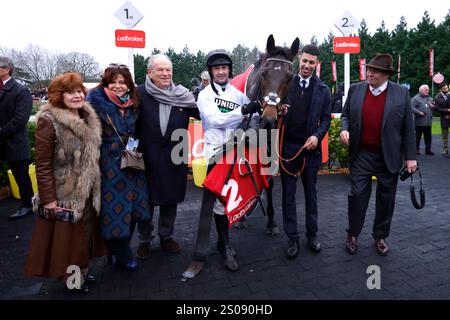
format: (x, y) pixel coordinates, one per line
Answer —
(431, 62)
(333, 71)
(130, 38)
(362, 69)
(346, 44)
(318, 69)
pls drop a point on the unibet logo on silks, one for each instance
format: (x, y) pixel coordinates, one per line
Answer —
(226, 106)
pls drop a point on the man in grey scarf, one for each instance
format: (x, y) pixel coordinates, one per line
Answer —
(164, 108)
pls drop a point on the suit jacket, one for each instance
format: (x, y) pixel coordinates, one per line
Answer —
(15, 109)
(443, 105)
(166, 180)
(397, 136)
(319, 116)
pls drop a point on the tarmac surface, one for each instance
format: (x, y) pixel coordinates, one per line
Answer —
(417, 266)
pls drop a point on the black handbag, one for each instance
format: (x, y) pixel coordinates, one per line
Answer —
(404, 174)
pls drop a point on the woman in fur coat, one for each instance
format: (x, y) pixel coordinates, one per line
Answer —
(124, 191)
(68, 138)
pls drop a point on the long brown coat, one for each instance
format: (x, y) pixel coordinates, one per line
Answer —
(67, 154)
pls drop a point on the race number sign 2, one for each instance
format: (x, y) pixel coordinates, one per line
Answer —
(238, 195)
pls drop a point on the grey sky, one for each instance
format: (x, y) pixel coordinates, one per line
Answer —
(89, 25)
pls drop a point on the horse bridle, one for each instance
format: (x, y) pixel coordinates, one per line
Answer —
(272, 99)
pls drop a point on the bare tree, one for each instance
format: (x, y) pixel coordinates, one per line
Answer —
(39, 63)
(16, 57)
(37, 66)
(79, 62)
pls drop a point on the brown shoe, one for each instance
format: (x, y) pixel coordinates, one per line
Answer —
(170, 245)
(351, 245)
(381, 247)
(143, 251)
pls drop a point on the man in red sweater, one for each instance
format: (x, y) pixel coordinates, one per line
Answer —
(378, 127)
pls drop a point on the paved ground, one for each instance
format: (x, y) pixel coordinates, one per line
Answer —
(416, 267)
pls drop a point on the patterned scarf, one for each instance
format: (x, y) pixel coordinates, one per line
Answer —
(123, 102)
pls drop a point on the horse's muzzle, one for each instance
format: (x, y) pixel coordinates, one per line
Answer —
(267, 123)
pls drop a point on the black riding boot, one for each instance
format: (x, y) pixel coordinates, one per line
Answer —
(223, 244)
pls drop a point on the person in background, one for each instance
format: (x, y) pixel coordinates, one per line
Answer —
(124, 191)
(422, 105)
(205, 82)
(68, 138)
(442, 104)
(16, 104)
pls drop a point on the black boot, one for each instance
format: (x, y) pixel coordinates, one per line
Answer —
(223, 244)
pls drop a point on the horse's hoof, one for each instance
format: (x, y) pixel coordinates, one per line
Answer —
(231, 263)
(273, 231)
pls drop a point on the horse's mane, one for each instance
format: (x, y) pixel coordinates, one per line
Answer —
(277, 52)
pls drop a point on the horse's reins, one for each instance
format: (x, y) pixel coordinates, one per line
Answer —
(249, 169)
(280, 138)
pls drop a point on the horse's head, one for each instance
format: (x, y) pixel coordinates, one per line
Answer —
(276, 75)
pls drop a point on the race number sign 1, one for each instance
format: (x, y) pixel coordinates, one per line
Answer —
(129, 15)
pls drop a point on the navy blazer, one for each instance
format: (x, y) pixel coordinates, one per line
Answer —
(16, 103)
(319, 116)
(397, 135)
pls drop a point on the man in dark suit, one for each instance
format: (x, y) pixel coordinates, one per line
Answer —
(164, 108)
(378, 127)
(306, 124)
(15, 109)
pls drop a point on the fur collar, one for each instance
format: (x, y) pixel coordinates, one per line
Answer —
(88, 127)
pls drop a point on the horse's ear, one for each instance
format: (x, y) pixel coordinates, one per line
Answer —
(294, 47)
(270, 44)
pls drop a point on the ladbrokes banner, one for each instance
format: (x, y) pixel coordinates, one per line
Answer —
(239, 195)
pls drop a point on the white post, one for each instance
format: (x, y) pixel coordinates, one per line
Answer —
(131, 62)
(346, 76)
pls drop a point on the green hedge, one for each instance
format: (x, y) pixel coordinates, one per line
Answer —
(337, 152)
(4, 181)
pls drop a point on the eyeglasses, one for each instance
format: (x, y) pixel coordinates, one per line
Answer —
(118, 66)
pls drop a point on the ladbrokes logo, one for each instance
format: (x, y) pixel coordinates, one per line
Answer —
(346, 45)
(130, 38)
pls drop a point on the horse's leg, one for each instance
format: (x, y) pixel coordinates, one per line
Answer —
(272, 228)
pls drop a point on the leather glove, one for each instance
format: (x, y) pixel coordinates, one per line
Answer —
(251, 107)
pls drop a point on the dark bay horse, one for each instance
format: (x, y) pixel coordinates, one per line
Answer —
(269, 83)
